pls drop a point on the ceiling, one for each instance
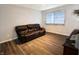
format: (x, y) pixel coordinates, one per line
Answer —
(40, 6)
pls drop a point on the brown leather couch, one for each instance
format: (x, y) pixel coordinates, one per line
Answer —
(28, 32)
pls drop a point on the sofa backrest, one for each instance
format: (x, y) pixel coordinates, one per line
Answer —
(29, 27)
(33, 26)
(22, 27)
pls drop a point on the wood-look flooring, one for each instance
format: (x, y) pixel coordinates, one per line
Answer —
(49, 44)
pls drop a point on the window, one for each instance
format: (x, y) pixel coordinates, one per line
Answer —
(55, 17)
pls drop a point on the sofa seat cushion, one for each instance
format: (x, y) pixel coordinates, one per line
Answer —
(24, 32)
(32, 33)
(31, 30)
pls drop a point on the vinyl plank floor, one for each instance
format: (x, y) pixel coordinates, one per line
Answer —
(49, 44)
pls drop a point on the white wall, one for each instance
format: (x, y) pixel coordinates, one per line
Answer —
(11, 16)
(71, 20)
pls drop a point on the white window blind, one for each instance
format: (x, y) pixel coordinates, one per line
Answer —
(55, 17)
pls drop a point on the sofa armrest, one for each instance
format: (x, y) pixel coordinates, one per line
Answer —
(42, 28)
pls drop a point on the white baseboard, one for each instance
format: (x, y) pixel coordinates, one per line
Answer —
(58, 33)
(7, 40)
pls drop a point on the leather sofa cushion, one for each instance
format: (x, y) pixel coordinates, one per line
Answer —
(37, 27)
(24, 32)
(28, 33)
(32, 33)
(21, 28)
(33, 27)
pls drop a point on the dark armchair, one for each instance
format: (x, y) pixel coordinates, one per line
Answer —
(69, 48)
